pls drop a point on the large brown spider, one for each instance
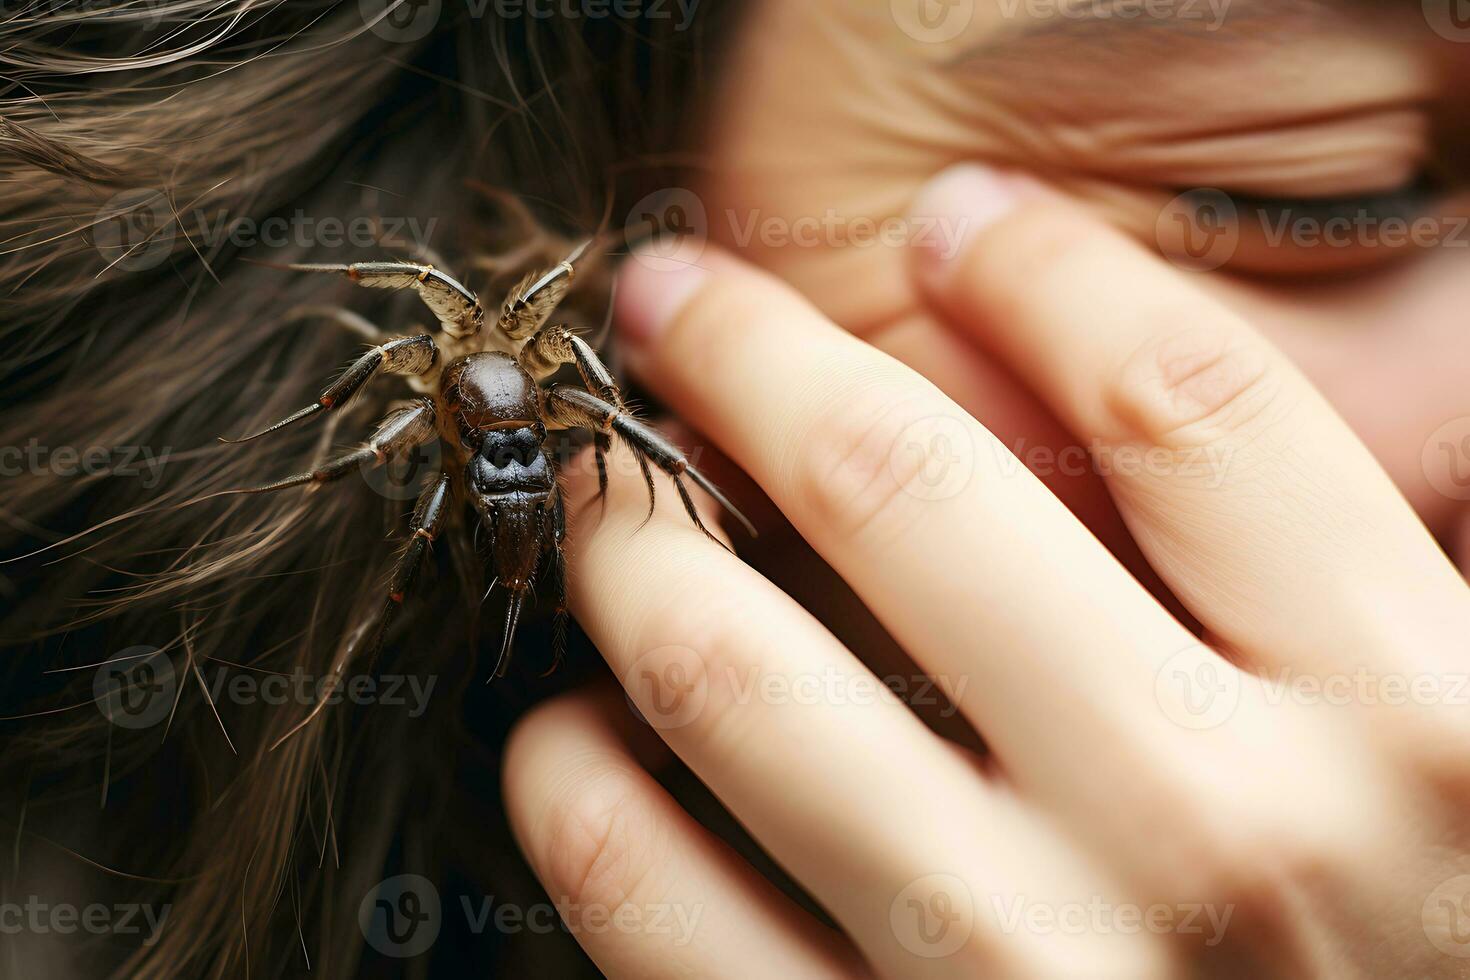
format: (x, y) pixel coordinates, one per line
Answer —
(480, 392)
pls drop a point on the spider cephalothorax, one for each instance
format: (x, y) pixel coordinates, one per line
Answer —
(480, 392)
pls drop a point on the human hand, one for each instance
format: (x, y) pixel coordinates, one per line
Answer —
(1226, 818)
(832, 114)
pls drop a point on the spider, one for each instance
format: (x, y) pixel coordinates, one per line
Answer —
(480, 390)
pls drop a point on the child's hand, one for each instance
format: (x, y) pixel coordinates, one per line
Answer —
(1287, 798)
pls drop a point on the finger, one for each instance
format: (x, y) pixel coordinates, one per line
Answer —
(835, 778)
(942, 532)
(988, 391)
(1257, 504)
(642, 886)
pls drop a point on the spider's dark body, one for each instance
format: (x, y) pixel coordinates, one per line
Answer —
(493, 417)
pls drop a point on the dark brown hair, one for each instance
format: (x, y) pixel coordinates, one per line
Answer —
(146, 147)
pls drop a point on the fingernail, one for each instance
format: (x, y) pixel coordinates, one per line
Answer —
(956, 207)
(652, 288)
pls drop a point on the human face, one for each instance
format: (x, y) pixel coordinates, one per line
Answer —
(1329, 129)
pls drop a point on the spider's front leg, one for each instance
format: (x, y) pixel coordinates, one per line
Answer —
(428, 521)
(400, 430)
(573, 407)
(554, 345)
(532, 300)
(404, 355)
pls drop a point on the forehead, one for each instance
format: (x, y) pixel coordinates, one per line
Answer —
(1328, 96)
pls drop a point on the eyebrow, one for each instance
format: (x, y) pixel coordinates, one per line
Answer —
(1095, 23)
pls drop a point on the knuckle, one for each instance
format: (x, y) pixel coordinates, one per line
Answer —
(705, 703)
(1433, 745)
(601, 837)
(1265, 864)
(856, 468)
(1195, 387)
(686, 641)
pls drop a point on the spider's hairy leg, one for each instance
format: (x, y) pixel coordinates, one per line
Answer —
(428, 521)
(555, 345)
(573, 407)
(456, 307)
(400, 430)
(557, 532)
(531, 301)
(403, 355)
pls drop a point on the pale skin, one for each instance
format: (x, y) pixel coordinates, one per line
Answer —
(1152, 755)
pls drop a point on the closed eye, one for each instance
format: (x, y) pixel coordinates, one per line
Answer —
(1405, 204)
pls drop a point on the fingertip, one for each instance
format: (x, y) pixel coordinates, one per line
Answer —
(652, 288)
(655, 285)
(957, 207)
